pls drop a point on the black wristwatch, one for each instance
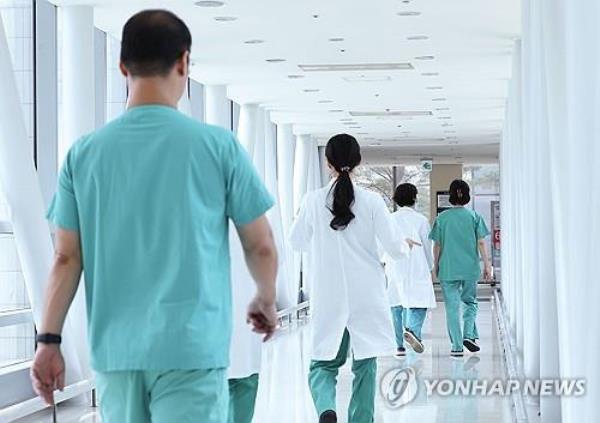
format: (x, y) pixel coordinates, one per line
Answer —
(48, 338)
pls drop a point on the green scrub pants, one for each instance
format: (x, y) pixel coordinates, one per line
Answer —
(242, 398)
(410, 318)
(182, 396)
(455, 293)
(323, 380)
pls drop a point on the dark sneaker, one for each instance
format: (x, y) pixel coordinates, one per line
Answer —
(413, 341)
(328, 416)
(471, 345)
(457, 353)
(401, 352)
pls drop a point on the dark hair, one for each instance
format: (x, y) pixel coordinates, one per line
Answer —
(406, 195)
(343, 153)
(460, 193)
(153, 41)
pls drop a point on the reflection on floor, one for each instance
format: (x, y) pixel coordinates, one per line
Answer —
(284, 397)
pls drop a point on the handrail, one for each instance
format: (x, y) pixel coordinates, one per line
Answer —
(15, 317)
(513, 365)
(33, 405)
(5, 228)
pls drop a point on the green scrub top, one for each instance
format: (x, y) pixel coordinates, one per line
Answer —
(458, 231)
(151, 195)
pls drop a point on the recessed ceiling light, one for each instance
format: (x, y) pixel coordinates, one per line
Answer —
(362, 133)
(439, 99)
(254, 41)
(225, 18)
(336, 39)
(444, 117)
(389, 113)
(295, 76)
(442, 109)
(356, 67)
(325, 101)
(446, 125)
(275, 60)
(355, 127)
(417, 38)
(450, 132)
(409, 13)
(209, 3)
(405, 132)
(336, 111)
(425, 58)
(347, 120)
(365, 78)
(430, 74)
(311, 90)
(435, 88)
(349, 123)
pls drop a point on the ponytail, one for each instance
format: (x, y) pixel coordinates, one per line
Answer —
(343, 154)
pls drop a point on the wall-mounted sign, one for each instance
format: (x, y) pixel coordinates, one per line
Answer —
(427, 165)
(443, 201)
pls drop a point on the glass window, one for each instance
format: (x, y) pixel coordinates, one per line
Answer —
(485, 188)
(16, 341)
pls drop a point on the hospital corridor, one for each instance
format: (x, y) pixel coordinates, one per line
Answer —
(279, 211)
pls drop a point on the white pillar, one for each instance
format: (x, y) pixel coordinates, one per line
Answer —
(258, 156)
(217, 106)
(22, 190)
(301, 165)
(286, 145)
(248, 126)
(185, 105)
(78, 88)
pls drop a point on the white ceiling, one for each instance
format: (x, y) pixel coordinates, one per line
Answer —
(471, 41)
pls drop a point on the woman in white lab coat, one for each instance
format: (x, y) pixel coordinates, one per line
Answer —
(339, 226)
(410, 282)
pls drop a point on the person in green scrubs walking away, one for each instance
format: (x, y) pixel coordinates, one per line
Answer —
(459, 235)
(142, 208)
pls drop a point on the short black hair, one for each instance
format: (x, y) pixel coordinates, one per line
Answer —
(406, 195)
(153, 41)
(460, 193)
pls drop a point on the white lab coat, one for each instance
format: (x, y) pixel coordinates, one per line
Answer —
(347, 279)
(409, 278)
(245, 352)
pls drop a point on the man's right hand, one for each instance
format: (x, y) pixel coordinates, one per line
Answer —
(48, 372)
(262, 315)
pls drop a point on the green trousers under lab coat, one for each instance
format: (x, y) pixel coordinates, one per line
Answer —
(323, 380)
(242, 399)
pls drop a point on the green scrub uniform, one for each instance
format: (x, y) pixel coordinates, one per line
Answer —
(151, 195)
(323, 380)
(458, 231)
(242, 399)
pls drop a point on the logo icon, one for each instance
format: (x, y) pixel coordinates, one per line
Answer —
(399, 387)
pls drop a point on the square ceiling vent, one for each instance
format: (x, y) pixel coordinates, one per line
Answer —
(356, 67)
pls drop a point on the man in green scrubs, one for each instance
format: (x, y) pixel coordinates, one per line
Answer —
(459, 243)
(143, 208)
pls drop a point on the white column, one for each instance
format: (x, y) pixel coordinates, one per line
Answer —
(248, 126)
(185, 105)
(22, 190)
(286, 145)
(78, 88)
(217, 106)
(258, 153)
(301, 169)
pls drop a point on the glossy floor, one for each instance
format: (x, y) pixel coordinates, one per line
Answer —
(284, 396)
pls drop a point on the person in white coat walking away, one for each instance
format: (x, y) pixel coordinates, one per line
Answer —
(339, 226)
(410, 279)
